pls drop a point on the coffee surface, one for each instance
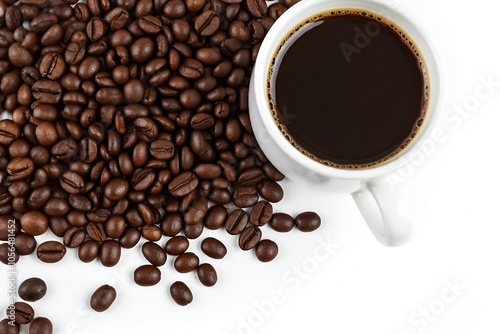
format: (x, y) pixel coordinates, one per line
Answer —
(348, 90)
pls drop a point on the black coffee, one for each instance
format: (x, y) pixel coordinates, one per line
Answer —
(348, 89)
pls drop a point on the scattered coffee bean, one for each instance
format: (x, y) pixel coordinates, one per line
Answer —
(250, 237)
(177, 245)
(236, 222)
(207, 274)
(282, 222)
(154, 254)
(110, 253)
(102, 298)
(32, 289)
(181, 294)
(147, 275)
(186, 262)
(261, 213)
(213, 248)
(51, 251)
(22, 312)
(308, 221)
(41, 325)
(266, 250)
(88, 251)
(7, 328)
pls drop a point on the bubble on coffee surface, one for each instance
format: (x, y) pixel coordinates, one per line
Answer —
(310, 23)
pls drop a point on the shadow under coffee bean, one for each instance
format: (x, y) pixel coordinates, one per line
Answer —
(348, 88)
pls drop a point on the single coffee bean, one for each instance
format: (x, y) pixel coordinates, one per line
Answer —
(8, 254)
(41, 325)
(183, 184)
(261, 213)
(270, 190)
(250, 237)
(20, 168)
(250, 177)
(34, 222)
(177, 245)
(180, 293)
(72, 182)
(19, 56)
(47, 91)
(50, 251)
(207, 23)
(196, 212)
(103, 298)
(266, 250)
(271, 172)
(9, 132)
(147, 275)
(110, 253)
(116, 189)
(216, 217)
(162, 149)
(96, 231)
(282, 222)
(25, 243)
(207, 274)
(52, 66)
(88, 251)
(186, 262)
(73, 237)
(32, 289)
(308, 221)
(23, 313)
(142, 49)
(8, 327)
(243, 197)
(257, 8)
(117, 18)
(150, 24)
(191, 69)
(213, 248)
(236, 222)
(154, 254)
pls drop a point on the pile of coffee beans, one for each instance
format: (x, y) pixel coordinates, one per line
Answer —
(128, 119)
(21, 313)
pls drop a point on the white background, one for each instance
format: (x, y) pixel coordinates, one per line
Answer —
(359, 286)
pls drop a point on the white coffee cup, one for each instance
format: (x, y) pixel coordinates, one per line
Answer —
(384, 212)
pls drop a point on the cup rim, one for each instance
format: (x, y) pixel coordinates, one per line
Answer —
(406, 19)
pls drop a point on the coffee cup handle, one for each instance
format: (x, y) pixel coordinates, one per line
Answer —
(384, 212)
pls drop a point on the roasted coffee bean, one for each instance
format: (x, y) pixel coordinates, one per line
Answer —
(142, 49)
(193, 231)
(282, 222)
(7, 327)
(308, 221)
(117, 18)
(41, 325)
(243, 197)
(186, 262)
(207, 23)
(216, 217)
(8, 255)
(207, 274)
(19, 56)
(261, 213)
(73, 237)
(177, 245)
(88, 251)
(266, 250)
(72, 182)
(116, 189)
(20, 168)
(271, 172)
(22, 312)
(47, 91)
(32, 289)
(9, 132)
(110, 253)
(55, 206)
(236, 222)
(181, 294)
(147, 275)
(183, 184)
(213, 248)
(43, 22)
(250, 237)
(196, 212)
(162, 149)
(52, 66)
(270, 190)
(96, 231)
(103, 298)
(154, 254)
(25, 243)
(34, 222)
(174, 9)
(150, 24)
(50, 251)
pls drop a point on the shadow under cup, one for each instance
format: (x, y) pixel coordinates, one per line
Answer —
(348, 88)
